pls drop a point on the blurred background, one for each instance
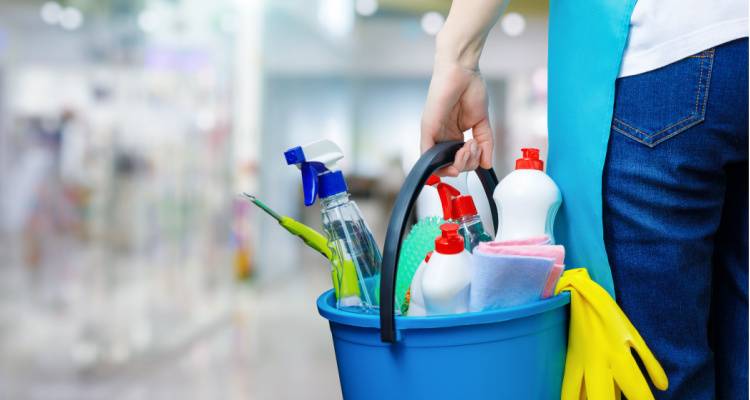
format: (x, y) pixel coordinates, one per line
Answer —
(129, 266)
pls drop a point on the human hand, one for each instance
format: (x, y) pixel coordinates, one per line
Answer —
(456, 102)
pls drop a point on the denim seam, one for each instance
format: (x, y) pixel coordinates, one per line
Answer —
(648, 136)
(693, 115)
(704, 54)
(708, 83)
(696, 117)
(639, 140)
(682, 129)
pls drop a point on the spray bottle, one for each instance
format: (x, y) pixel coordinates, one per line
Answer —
(446, 193)
(469, 224)
(348, 235)
(461, 210)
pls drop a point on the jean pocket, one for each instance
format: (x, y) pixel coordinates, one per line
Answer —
(657, 105)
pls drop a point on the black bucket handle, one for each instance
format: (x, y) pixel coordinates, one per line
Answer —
(438, 156)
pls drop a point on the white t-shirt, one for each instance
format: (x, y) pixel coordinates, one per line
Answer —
(665, 31)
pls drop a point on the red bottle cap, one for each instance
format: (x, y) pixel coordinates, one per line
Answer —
(530, 160)
(450, 242)
(446, 193)
(463, 206)
(427, 257)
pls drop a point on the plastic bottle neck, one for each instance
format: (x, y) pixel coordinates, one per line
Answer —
(469, 219)
(335, 200)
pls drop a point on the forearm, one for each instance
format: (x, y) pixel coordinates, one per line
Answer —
(462, 38)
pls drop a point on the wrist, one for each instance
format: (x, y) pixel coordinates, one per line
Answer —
(457, 48)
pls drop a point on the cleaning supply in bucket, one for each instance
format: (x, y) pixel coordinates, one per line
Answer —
(537, 240)
(552, 279)
(344, 276)
(416, 307)
(311, 237)
(469, 224)
(500, 280)
(446, 279)
(348, 235)
(446, 193)
(601, 341)
(420, 241)
(556, 252)
(553, 251)
(527, 200)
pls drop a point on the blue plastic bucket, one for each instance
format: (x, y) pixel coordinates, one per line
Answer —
(512, 353)
(515, 353)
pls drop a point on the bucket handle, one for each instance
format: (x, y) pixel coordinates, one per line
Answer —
(438, 156)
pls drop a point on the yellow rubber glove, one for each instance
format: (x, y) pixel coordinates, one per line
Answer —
(586, 372)
(625, 337)
(599, 363)
(576, 359)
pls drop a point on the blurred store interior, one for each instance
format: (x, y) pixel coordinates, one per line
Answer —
(130, 268)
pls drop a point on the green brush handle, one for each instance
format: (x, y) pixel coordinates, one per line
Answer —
(345, 269)
(310, 236)
(349, 285)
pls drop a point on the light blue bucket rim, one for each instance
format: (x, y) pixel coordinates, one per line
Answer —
(327, 309)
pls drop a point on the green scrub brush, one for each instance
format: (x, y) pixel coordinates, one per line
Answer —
(419, 242)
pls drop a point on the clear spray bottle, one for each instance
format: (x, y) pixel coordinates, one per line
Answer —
(349, 237)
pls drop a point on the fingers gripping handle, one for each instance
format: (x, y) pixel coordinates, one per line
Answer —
(439, 156)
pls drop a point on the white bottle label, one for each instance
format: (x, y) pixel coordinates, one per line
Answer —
(446, 282)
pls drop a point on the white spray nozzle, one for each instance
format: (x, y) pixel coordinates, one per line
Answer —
(316, 161)
(322, 151)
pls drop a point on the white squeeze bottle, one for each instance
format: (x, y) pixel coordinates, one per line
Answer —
(527, 200)
(447, 276)
(416, 298)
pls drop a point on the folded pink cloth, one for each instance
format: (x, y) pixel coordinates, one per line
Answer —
(520, 242)
(556, 252)
(510, 247)
(554, 276)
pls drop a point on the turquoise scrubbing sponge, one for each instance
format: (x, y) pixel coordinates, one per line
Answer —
(416, 245)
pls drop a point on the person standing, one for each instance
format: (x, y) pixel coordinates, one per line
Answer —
(648, 141)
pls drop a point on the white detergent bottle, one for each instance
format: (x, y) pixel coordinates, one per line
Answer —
(447, 276)
(416, 298)
(527, 200)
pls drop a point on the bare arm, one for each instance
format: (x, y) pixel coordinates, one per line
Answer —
(457, 99)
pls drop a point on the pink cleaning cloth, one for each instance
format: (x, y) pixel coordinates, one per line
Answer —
(555, 252)
(538, 240)
(554, 276)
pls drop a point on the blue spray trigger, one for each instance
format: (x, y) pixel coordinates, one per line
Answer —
(295, 155)
(315, 160)
(310, 172)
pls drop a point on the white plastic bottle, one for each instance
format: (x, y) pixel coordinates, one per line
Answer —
(527, 200)
(416, 298)
(447, 277)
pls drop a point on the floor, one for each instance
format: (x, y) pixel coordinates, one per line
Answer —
(261, 342)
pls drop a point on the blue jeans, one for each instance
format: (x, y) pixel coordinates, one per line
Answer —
(675, 195)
